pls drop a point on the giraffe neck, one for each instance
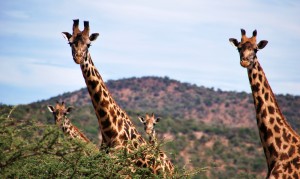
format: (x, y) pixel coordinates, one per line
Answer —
(115, 125)
(277, 137)
(152, 137)
(72, 131)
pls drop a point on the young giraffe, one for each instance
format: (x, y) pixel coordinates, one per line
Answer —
(149, 123)
(280, 142)
(60, 116)
(117, 129)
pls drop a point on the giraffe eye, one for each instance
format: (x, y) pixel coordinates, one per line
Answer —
(88, 45)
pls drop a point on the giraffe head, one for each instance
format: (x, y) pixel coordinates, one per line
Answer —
(149, 123)
(59, 111)
(80, 41)
(248, 48)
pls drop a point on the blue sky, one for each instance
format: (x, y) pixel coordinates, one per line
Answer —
(184, 40)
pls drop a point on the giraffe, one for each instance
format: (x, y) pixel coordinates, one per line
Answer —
(280, 142)
(149, 123)
(118, 131)
(60, 116)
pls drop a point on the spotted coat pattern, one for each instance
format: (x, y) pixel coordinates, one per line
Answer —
(280, 142)
(116, 127)
(60, 116)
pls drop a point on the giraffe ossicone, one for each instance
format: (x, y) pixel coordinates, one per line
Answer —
(280, 142)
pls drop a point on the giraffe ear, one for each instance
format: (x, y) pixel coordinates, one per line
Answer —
(157, 119)
(51, 108)
(66, 35)
(234, 42)
(94, 36)
(262, 44)
(141, 119)
(69, 109)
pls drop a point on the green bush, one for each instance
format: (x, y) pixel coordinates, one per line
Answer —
(30, 149)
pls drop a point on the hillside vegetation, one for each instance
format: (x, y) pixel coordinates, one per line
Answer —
(202, 127)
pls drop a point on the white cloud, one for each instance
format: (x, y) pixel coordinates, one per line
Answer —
(187, 40)
(31, 73)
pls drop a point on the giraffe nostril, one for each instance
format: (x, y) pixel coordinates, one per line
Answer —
(78, 54)
(244, 59)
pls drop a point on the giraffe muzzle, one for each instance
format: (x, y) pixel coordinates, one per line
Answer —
(78, 58)
(245, 63)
